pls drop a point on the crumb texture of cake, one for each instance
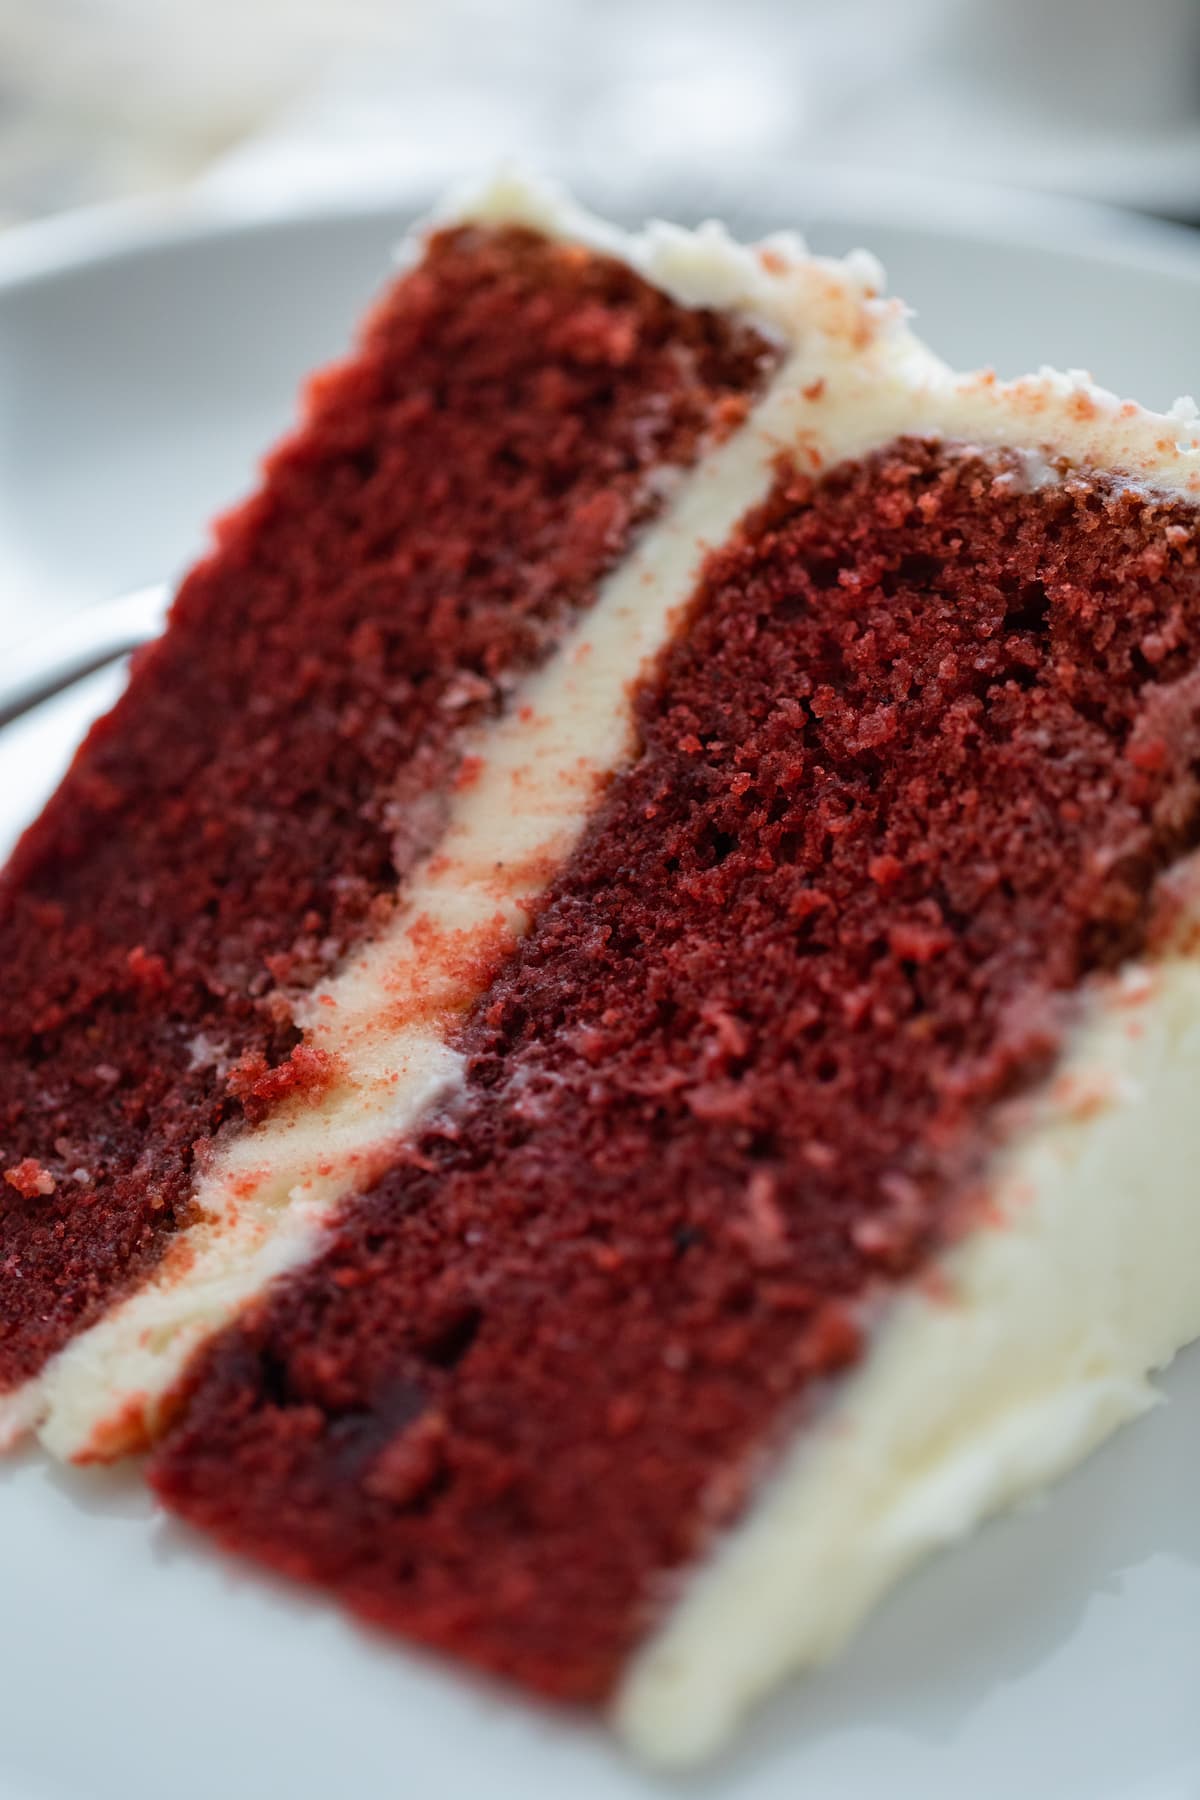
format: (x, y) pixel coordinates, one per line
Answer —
(912, 796)
(457, 492)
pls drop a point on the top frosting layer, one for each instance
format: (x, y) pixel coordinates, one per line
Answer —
(877, 379)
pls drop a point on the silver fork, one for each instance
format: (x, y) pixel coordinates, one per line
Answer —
(77, 646)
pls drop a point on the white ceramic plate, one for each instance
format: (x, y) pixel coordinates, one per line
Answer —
(143, 364)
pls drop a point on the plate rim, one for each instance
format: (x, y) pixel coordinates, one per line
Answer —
(212, 211)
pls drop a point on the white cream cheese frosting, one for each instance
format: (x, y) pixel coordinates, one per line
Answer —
(858, 375)
(1047, 1321)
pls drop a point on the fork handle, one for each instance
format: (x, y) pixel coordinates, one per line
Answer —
(71, 648)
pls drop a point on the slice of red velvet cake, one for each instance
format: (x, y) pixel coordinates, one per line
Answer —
(602, 1047)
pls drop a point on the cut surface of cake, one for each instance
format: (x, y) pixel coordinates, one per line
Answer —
(600, 1050)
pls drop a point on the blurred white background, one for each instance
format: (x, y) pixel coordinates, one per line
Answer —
(103, 98)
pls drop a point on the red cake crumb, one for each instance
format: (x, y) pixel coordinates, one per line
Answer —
(743, 1071)
(260, 1088)
(455, 494)
(30, 1179)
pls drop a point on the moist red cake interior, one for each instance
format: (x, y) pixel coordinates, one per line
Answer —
(453, 497)
(908, 780)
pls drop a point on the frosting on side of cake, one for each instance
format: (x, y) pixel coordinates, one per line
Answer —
(1032, 1343)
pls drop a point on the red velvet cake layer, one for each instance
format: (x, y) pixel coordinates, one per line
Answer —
(907, 780)
(451, 501)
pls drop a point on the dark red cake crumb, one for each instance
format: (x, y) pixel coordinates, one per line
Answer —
(30, 1179)
(905, 785)
(452, 499)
